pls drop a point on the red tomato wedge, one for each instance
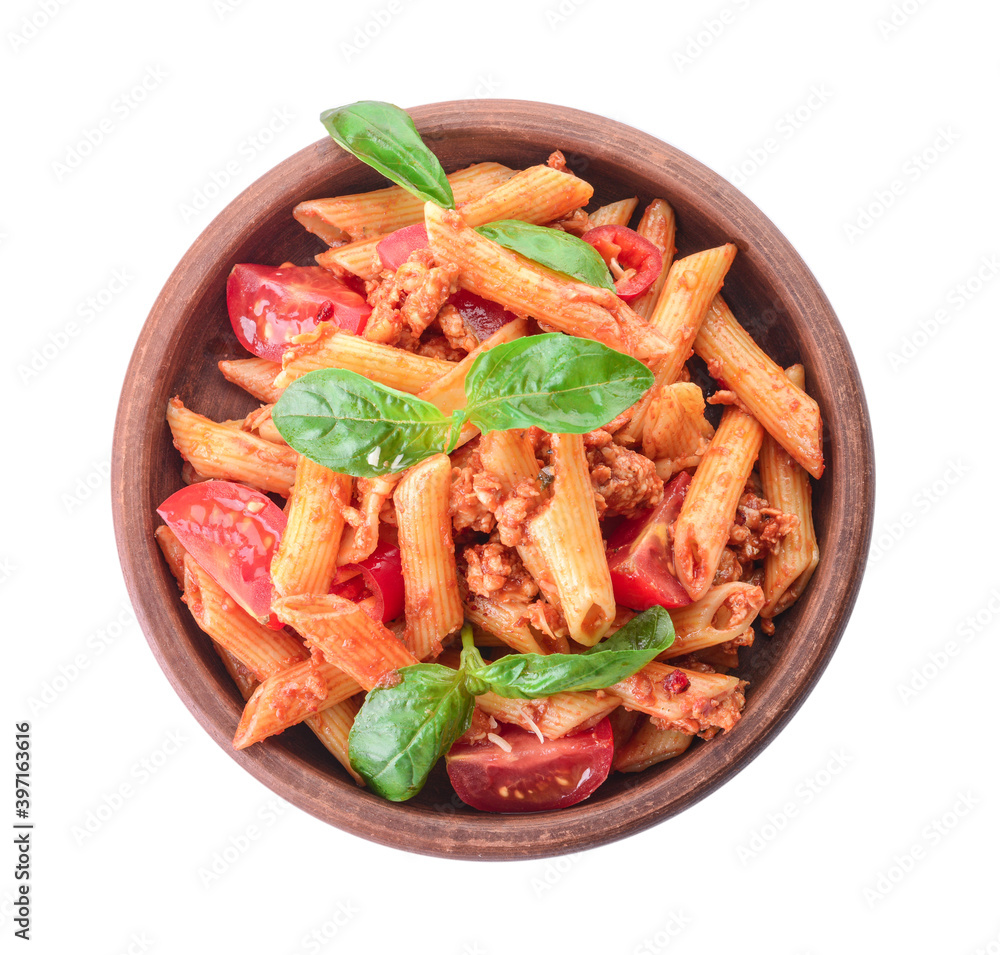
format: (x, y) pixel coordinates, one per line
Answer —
(632, 252)
(639, 555)
(397, 246)
(232, 531)
(535, 775)
(381, 575)
(269, 305)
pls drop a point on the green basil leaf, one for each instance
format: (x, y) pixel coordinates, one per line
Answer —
(553, 248)
(403, 730)
(527, 676)
(353, 425)
(560, 383)
(384, 137)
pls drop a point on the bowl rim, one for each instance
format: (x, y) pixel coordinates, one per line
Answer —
(647, 801)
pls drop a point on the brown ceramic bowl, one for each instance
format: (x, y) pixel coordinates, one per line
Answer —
(769, 288)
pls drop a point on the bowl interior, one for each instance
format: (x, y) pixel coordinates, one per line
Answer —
(769, 288)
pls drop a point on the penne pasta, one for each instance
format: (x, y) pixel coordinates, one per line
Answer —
(493, 272)
(659, 226)
(701, 703)
(536, 195)
(262, 650)
(691, 285)
(723, 615)
(614, 213)
(289, 696)
(566, 530)
(376, 213)
(551, 717)
(331, 347)
(702, 527)
(346, 636)
(430, 576)
(306, 559)
(790, 416)
(254, 375)
(649, 745)
(676, 432)
(224, 452)
(786, 486)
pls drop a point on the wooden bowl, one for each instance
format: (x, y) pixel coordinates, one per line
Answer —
(769, 288)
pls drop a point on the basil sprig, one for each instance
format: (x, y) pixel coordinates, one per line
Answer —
(403, 730)
(553, 248)
(563, 384)
(384, 137)
(527, 676)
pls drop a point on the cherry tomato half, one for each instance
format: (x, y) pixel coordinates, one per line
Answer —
(397, 246)
(632, 251)
(381, 575)
(639, 557)
(232, 531)
(268, 305)
(533, 776)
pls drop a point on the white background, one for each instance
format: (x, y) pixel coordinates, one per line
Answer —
(869, 824)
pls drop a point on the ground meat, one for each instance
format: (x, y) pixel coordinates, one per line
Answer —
(514, 512)
(455, 330)
(709, 718)
(557, 161)
(492, 568)
(408, 298)
(758, 528)
(624, 481)
(729, 568)
(470, 511)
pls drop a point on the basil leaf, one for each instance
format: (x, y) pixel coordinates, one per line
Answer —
(560, 383)
(403, 730)
(384, 137)
(346, 422)
(527, 676)
(553, 248)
